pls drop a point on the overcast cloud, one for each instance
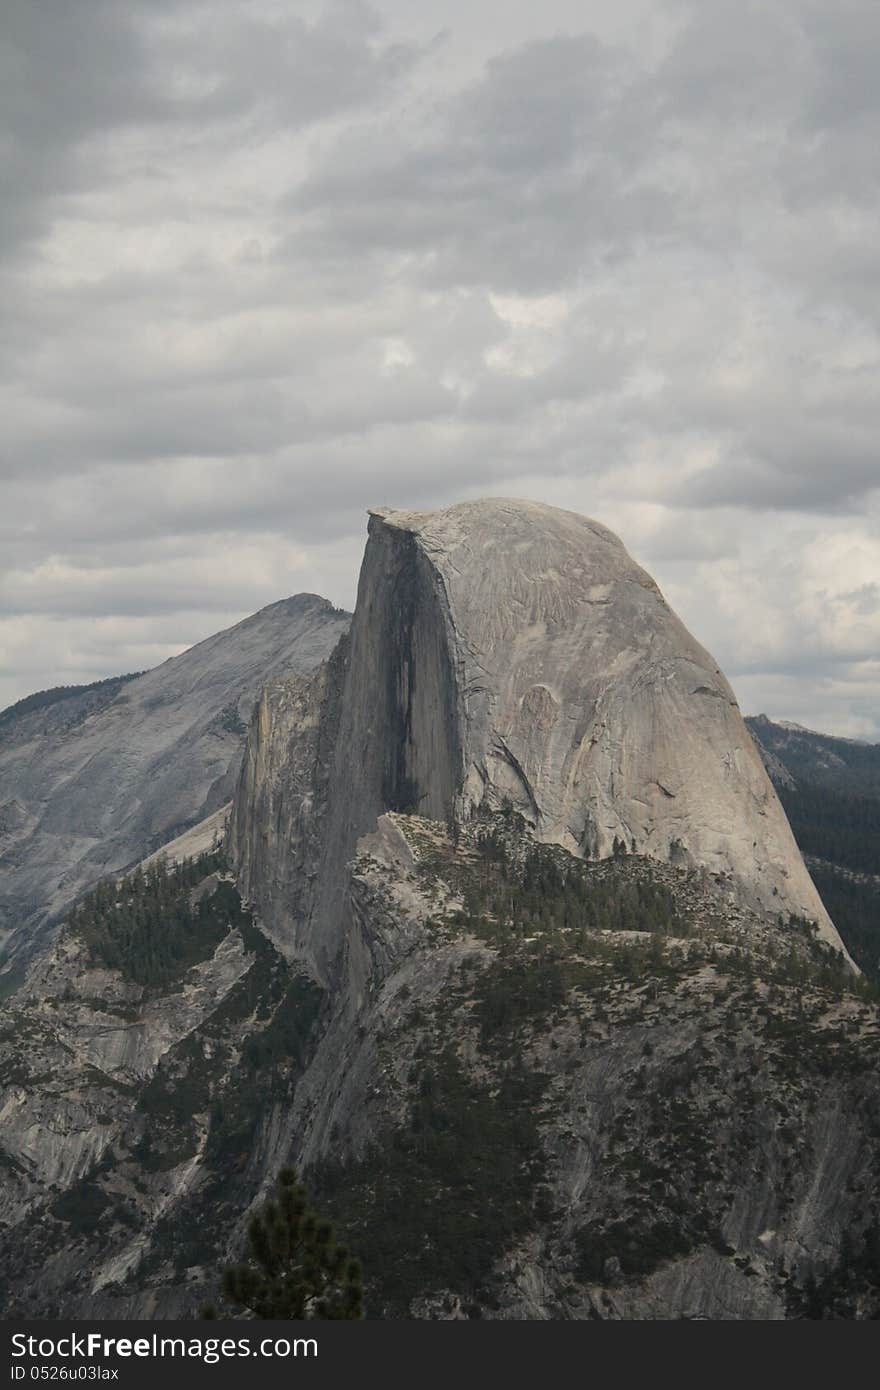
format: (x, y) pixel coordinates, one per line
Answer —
(263, 265)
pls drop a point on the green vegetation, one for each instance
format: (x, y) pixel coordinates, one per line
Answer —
(845, 1288)
(834, 825)
(81, 1206)
(201, 1083)
(628, 1249)
(441, 1196)
(437, 1200)
(230, 721)
(272, 1057)
(213, 1094)
(835, 764)
(834, 811)
(152, 926)
(566, 955)
(854, 905)
(522, 988)
(841, 833)
(216, 1089)
(42, 699)
(517, 887)
(297, 1269)
(562, 1018)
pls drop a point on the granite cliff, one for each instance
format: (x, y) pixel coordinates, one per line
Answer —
(506, 653)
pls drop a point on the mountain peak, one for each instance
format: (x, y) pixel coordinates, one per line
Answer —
(495, 520)
(109, 773)
(508, 653)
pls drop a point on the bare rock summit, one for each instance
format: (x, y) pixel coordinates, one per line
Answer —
(507, 653)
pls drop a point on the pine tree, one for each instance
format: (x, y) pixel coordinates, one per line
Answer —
(296, 1268)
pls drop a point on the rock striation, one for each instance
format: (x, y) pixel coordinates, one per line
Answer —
(507, 653)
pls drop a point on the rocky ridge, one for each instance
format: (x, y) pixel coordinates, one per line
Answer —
(93, 783)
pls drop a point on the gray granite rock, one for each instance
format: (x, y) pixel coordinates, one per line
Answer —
(506, 652)
(92, 787)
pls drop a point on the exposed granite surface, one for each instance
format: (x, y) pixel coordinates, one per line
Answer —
(508, 653)
(88, 787)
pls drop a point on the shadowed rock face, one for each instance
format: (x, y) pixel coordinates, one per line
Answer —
(93, 789)
(505, 652)
(372, 730)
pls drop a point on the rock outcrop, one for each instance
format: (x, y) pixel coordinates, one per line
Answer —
(93, 784)
(505, 653)
(141, 1112)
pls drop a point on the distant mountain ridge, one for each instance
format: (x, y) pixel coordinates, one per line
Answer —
(830, 789)
(825, 758)
(94, 778)
(792, 726)
(105, 689)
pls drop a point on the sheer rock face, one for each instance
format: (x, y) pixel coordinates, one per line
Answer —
(509, 652)
(279, 812)
(586, 702)
(93, 787)
(374, 729)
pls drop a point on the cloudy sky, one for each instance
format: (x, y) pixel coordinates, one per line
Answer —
(267, 263)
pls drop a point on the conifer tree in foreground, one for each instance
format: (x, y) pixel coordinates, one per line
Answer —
(296, 1267)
